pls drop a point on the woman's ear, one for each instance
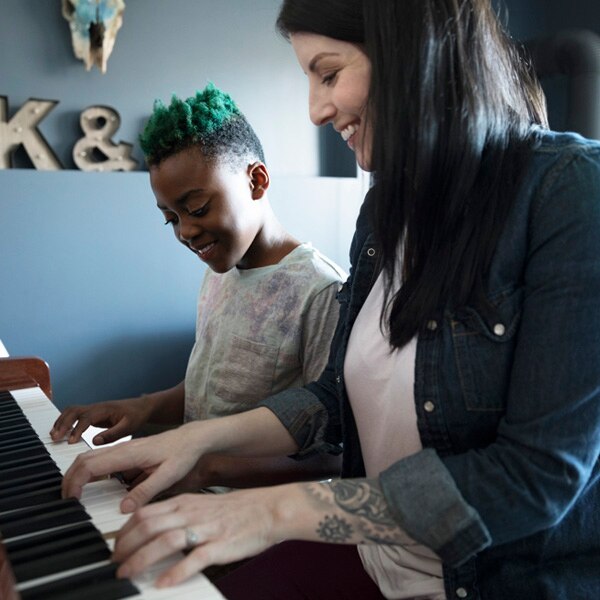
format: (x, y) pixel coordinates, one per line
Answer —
(259, 179)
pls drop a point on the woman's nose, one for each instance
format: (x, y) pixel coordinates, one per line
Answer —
(320, 108)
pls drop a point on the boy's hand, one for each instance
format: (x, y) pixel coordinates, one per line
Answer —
(121, 417)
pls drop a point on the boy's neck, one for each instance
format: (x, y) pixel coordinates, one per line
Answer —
(271, 245)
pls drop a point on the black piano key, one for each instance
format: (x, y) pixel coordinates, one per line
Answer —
(20, 443)
(8, 403)
(7, 399)
(25, 431)
(15, 428)
(43, 516)
(96, 584)
(21, 453)
(11, 488)
(22, 460)
(40, 465)
(46, 492)
(18, 432)
(32, 477)
(80, 555)
(11, 412)
(57, 551)
(29, 472)
(33, 544)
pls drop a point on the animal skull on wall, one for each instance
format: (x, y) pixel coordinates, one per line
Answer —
(94, 25)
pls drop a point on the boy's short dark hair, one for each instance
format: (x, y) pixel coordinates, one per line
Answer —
(210, 120)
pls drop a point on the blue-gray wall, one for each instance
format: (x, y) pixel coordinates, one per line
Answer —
(90, 279)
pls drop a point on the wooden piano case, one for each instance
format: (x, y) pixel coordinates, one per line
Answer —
(26, 371)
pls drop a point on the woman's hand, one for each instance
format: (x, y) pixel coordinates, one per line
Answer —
(230, 527)
(121, 417)
(165, 458)
(168, 457)
(227, 527)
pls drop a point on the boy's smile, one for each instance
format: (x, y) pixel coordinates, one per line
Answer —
(212, 209)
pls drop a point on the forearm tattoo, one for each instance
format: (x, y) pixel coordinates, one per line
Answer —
(363, 507)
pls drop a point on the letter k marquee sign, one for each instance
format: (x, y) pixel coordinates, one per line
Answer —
(22, 130)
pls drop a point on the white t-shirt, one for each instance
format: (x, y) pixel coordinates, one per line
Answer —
(380, 386)
(260, 331)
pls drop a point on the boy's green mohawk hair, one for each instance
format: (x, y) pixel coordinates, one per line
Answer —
(210, 120)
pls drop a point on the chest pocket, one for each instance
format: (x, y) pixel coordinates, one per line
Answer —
(246, 373)
(484, 343)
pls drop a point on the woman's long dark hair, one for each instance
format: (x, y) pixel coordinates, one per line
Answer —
(451, 104)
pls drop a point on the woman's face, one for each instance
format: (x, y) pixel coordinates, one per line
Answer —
(339, 75)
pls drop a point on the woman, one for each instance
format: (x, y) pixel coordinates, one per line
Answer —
(464, 377)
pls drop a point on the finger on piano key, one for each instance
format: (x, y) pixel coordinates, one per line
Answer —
(102, 500)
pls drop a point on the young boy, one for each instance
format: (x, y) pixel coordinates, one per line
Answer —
(267, 307)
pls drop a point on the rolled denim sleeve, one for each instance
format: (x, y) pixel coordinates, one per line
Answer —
(426, 502)
(306, 419)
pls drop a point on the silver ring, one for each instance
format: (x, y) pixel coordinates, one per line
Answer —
(191, 539)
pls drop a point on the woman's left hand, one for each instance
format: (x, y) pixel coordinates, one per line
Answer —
(225, 528)
(229, 527)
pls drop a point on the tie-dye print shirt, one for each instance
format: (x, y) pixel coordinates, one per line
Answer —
(260, 331)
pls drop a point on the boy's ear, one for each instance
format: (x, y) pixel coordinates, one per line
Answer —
(259, 179)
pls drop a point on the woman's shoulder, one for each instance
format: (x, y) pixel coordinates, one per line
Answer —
(551, 146)
(562, 161)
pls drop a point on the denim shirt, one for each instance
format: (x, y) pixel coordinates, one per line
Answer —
(507, 487)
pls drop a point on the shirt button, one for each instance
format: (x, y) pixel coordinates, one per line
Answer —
(371, 251)
(499, 329)
(338, 379)
(429, 406)
(432, 325)
(461, 592)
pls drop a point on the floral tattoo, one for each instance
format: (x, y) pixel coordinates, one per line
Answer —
(363, 502)
(333, 529)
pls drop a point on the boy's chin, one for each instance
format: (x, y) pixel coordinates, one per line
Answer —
(219, 267)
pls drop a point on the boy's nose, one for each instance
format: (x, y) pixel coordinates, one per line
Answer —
(187, 231)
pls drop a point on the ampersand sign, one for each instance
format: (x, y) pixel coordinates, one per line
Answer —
(96, 151)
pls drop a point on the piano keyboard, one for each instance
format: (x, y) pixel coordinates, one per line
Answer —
(40, 531)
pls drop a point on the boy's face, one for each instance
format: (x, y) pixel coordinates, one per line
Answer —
(210, 207)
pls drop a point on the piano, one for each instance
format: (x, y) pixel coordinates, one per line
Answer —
(53, 548)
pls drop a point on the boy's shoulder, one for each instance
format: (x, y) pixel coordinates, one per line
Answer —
(308, 261)
(304, 270)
